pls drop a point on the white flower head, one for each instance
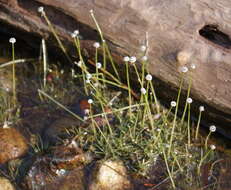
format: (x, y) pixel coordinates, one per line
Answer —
(173, 103)
(132, 59)
(91, 11)
(143, 48)
(85, 118)
(96, 45)
(144, 58)
(202, 108)
(212, 147)
(126, 59)
(88, 81)
(148, 77)
(62, 72)
(212, 128)
(184, 69)
(88, 76)
(12, 40)
(90, 101)
(143, 90)
(98, 65)
(75, 34)
(86, 111)
(60, 172)
(41, 9)
(79, 64)
(193, 66)
(189, 100)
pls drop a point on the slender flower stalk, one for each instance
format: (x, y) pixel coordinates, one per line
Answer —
(129, 88)
(188, 125)
(203, 159)
(81, 62)
(186, 104)
(212, 129)
(43, 14)
(169, 172)
(106, 49)
(201, 109)
(44, 50)
(175, 116)
(13, 41)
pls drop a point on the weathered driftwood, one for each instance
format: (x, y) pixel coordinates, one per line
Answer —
(178, 32)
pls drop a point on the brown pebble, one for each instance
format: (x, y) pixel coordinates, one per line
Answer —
(12, 145)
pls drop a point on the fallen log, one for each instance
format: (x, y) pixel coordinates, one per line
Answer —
(178, 32)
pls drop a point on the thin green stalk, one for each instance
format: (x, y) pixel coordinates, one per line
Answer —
(56, 37)
(155, 98)
(108, 74)
(112, 62)
(78, 48)
(105, 45)
(175, 116)
(137, 73)
(97, 25)
(206, 140)
(129, 91)
(104, 60)
(201, 162)
(118, 110)
(198, 126)
(44, 50)
(17, 61)
(148, 107)
(188, 127)
(169, 172)
(14, 77)
(60, 105)
(188, 93)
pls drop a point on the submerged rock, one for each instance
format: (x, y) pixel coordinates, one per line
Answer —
(12, 144)
(64, 167)
(5, 184)
(110, 175)
(74, 180)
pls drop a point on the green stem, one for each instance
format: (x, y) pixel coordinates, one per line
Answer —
(13, 73)
(198, 126)
(206, 140)
(186, 104)
(56, 37)
(175, 116)
(129, 91)
(188, 127)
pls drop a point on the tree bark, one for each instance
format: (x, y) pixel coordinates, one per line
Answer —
(178, 33)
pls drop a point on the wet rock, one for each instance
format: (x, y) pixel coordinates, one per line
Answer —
(110, 175)
(64, 164)
(69, 156)
(12, 144)
(5, 184)
(40, 174)
(73, 180)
